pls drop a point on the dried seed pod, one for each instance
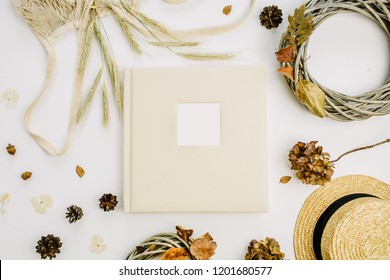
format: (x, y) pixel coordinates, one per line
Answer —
(11, 149)
(108, 202)
(26, 175)
(74, 213)
(80, 171)
(285, 179)
(271, 17)
(227, 9)
(48, 246)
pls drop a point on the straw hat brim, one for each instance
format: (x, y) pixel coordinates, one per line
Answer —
(320, 200)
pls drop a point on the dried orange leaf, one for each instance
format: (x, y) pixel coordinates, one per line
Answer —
(203, 248)
(80, 171)
(312, 97)
(227, 9)
(288, 71)
(285, 179)
(287, 54)
(184, 233)
(26, 175)
(176, 254)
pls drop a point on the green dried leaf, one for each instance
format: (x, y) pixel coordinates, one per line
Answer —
(312, 97)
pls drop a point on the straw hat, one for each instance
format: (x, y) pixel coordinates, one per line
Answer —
(348, 218)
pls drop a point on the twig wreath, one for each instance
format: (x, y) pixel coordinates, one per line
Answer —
(175, 246)
(292, 55)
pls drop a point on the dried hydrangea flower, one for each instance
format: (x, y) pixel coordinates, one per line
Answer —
(312, 164)
(268, 249)
(40, 203)
(9, 98)
(97, 244)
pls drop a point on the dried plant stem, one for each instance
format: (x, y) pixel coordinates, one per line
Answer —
(361, 148)
(106, 108)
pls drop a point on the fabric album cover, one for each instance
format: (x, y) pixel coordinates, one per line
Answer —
(194, 140)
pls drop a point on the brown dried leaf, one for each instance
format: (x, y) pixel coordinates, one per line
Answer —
(26, 175)
(227, 9)
(312, 97)
(285, 179)
(203, 248)
(288, 71)
(80, 171)
(176, 254)
(185, 234)
(287, 54)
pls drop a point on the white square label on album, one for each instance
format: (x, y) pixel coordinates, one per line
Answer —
(198, 124)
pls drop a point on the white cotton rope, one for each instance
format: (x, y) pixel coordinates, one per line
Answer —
(51, 18)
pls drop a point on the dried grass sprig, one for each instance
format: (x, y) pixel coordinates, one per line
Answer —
(129, 35)
(87, 47)
(173, 44)
(206, 56)
(112, 67)
(106, 108)
(88, 100)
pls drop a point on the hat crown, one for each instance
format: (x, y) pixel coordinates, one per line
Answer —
(360, 229)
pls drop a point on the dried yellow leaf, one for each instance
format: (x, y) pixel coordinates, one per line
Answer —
(312, 97)
(152, 247)
(285, 179)
(227, 9)
(176, 254)
(80, 171)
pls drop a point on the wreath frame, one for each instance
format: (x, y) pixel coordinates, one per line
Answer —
(337, 105)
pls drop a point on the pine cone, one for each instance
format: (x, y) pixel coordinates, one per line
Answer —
(74, 213)
(313, 165)
(108, 202)
(48, 246)
(271, 17)
(267, 249)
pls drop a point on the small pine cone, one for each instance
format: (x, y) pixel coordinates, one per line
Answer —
(108, 202)
(48, 246)
(312, 164)
(271, 17)
(268, 249)
(74, 213)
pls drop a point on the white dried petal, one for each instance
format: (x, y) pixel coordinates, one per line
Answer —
(97, 244)
(41, 203)
(9, 98)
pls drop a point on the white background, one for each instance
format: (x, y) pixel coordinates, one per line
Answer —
(347, 53)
